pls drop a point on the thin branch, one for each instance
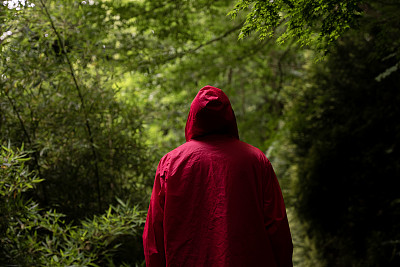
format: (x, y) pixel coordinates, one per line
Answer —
(87, 123)
(280, 66)
(215, 39)
(36, 154)
(21, 122)
(193, 50)
(255, 50)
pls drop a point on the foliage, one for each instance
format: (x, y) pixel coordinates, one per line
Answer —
(58, 96)
(251, 72)
(343, 124)
(31, 236)
(11, 184)
(99, 90)
(312, 23)
(79, 90)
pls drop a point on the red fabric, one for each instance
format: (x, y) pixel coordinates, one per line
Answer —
(216, 200)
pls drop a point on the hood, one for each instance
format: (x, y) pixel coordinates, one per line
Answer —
(210, 113)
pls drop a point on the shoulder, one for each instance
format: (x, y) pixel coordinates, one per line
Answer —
(255, 151)
(180, 151)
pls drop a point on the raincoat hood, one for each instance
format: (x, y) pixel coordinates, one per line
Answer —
(210, 113)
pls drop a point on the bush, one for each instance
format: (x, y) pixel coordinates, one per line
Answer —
(31, 236)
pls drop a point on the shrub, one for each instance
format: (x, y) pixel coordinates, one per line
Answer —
(31, 236)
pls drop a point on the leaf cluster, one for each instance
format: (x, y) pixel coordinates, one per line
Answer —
(32, 236)
(311, 23)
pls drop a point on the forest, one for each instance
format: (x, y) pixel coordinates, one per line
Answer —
(93, 93)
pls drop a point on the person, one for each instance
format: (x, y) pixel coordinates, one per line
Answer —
(216, 200)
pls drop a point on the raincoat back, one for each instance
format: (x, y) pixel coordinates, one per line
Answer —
(216, 200)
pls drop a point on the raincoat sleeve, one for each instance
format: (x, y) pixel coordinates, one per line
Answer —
(275, 219)
(153, 234)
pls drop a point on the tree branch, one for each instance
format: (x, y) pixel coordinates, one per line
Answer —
(193, 50)
(215, 39)
(87, 123)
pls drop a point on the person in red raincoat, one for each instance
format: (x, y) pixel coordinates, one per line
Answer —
(216, 200)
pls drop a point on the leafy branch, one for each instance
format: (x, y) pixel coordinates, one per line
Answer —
(312, 23)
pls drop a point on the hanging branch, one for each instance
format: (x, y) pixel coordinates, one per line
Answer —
(78, 89)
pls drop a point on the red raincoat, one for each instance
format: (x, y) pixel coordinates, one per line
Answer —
(216, 200)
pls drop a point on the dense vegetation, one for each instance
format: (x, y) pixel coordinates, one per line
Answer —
(93, 93)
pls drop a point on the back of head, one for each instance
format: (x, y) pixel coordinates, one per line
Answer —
(210, 113)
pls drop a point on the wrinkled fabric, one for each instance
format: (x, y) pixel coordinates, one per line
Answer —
(216, 200)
